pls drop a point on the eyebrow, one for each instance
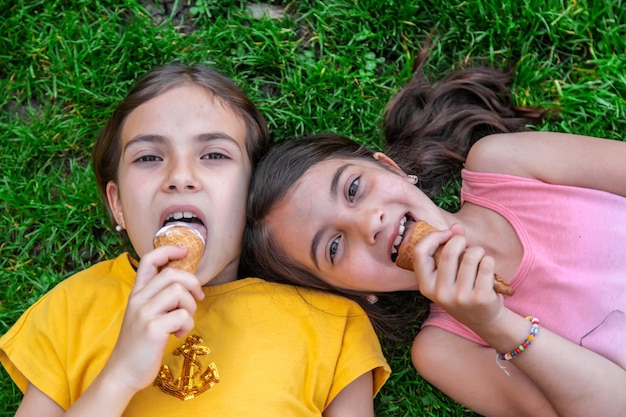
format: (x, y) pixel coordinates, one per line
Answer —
(203, 137)
(334, 185)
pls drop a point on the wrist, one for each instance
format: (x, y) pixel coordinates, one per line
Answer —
(507, 356)
(506, 333)
(534, 330)
(106, 396)
(117, 381)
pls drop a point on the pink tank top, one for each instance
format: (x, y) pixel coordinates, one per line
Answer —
(573, 272)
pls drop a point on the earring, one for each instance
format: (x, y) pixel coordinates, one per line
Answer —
(412, 178)
(118, 228)
(372, 298)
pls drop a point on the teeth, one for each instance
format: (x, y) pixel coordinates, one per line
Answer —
(396, 243)
(398, 240)
(180, 215)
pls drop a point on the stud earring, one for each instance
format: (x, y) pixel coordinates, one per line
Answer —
(372, 298)
(118, 228)
(412, 178)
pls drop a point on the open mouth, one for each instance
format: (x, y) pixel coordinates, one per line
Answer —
(401, 229)
(183, 217)
(189, 219)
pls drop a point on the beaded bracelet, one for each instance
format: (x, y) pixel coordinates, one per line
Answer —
(534, 329)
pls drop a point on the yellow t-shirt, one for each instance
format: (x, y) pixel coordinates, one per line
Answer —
(258, 348)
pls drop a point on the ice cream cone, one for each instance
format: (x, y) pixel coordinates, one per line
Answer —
(181, 235)
(414, 233)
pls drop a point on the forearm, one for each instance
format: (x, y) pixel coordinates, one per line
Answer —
(105, 397)
(577, 381)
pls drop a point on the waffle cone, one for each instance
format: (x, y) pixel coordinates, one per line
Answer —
(414, 233)
(180, 235)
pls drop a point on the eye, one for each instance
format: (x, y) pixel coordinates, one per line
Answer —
(215, 155)
(148, 158)
(352, 189)
(332, 250)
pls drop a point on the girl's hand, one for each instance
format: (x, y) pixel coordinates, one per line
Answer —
(462, 280)
(160, 304)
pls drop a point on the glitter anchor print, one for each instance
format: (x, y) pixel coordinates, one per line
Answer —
(193, 380)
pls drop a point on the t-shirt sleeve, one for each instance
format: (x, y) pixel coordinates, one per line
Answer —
(360, 353)
(32, 350)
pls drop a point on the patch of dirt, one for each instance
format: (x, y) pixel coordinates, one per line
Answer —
(182, 17)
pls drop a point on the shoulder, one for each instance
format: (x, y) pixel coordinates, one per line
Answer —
(523, 154)
(112, 272)
(499, 153)
(303, 297)
(105, 283)
(332, 306)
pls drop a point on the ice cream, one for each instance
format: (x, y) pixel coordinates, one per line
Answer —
(181, 235)
(414, 233)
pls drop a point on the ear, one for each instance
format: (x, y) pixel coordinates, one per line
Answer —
(388, 162)
(115, 206)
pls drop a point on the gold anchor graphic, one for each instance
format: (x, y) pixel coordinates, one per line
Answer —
(184, 387)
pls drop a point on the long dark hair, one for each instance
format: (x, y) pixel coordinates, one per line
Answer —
(429, 128)
(275, 176)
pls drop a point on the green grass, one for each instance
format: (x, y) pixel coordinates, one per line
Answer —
(327, 66)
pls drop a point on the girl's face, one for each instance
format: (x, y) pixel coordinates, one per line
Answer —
(341, 220)
(184, 154)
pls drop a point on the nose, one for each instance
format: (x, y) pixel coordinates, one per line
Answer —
(368, 223)
(182, 176)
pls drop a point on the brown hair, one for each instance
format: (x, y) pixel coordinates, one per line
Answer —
(429, 128)
(107, 150)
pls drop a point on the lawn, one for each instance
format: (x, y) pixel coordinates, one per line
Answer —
(309, 65)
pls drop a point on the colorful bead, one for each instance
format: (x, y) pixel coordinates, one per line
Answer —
(534, 329)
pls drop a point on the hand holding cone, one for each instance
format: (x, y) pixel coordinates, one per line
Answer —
(181, 235)
(414, 233)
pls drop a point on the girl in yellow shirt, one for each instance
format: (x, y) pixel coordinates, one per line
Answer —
(123, 338)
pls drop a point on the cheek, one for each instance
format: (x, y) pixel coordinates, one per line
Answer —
(131, 201)
(364, 269)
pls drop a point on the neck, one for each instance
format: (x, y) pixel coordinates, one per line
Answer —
(227, 274)
(489, 230)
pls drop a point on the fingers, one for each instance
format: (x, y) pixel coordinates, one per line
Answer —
(162, 303)
(457, 229)
(425, 252)
(152, 261)
(178, 322)
(431, 269)
(459, 268)
(470, 262)
(146, 281)
(457, 277)
(165, 295)
(449, 261)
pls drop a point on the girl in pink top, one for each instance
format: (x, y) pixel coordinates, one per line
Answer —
(545, 211)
